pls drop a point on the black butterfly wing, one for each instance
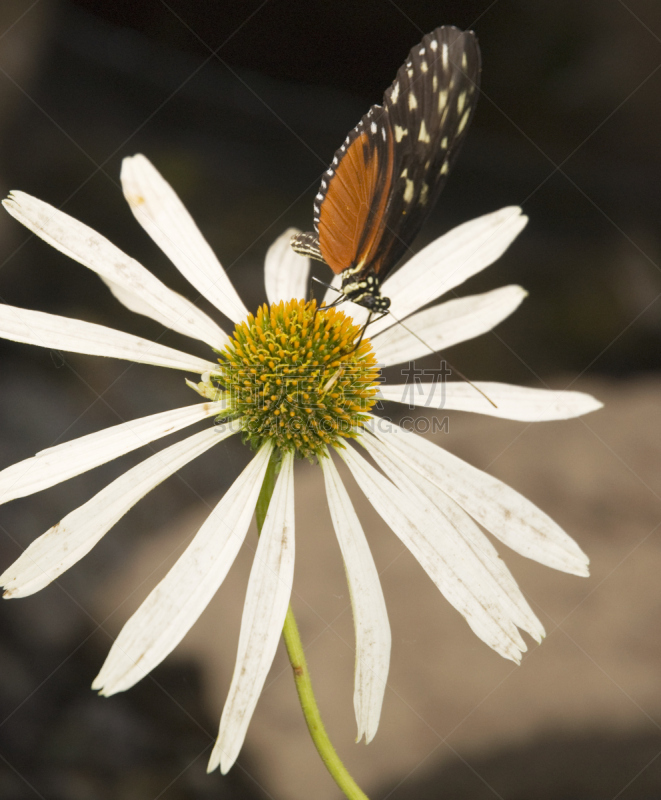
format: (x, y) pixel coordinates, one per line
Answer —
(430, 105)
(384, 180)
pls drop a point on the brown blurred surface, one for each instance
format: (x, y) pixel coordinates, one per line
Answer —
(455, 710)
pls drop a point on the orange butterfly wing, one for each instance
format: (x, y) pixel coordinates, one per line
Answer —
(355, 198)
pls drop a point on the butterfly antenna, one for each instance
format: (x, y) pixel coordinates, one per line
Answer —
(454, 369)
(326, 285)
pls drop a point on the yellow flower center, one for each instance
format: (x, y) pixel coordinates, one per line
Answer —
(294, 375)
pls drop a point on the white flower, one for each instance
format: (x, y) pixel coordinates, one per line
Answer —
(431, 499)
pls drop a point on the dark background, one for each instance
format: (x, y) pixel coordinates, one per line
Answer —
(241, 106)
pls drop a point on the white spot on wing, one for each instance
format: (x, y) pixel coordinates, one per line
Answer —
(461, 100)
(444, 55)
(445, 168)
(423, 66)
(434, 44)
(464, 61)
(423, 136)
(395, 92)
(442, 100)
(424, 193)
(444, 142)
(383, 133)
(463, 121)
(413, 103)
(408, 192)
(405, 172)
(400, 133)
(373, 127)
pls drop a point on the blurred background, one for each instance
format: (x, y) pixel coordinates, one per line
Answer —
(241, 107)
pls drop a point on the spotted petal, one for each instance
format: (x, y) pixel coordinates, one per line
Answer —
(370, 617)
(473, 551)
(56, 464)
(447, 561)
(508, 515)
(174, 605)
(72, 538)
(267, 598)
(164, 217)
(76, 336)
(131, 283)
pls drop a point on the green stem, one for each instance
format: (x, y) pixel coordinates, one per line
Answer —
(311, 713)
(299, 665)
(266, 492)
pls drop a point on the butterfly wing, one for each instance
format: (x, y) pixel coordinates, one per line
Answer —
(430, 105)
(354, 193)
(386, 177)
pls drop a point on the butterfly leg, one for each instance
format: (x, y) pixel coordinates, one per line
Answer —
(360, 338)
(336, 302)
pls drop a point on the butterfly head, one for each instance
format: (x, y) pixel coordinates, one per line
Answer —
(364, 288)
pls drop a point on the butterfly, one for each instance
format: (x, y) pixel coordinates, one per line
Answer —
(385, 179)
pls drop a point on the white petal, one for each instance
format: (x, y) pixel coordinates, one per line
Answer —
(76, 336)
(285, 272)
(174, 605)
(129, 281)
(369, 608)
(72, 538)
(449, 261)
(215, 337)
(162, 214)
(59, 463)
(444, 557)
(481, 560)
(264, 611)
(504, 512)
(446, 324)
(511, 402)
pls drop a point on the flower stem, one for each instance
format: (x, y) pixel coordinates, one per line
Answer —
(311, 713)
(299, 665)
